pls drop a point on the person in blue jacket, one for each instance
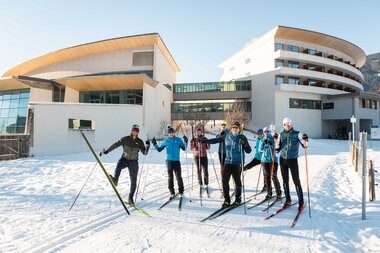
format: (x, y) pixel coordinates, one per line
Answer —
(269, 163)
(288, 146)
(173, 144)
(257, 159)
(236, 145)
(222, 146)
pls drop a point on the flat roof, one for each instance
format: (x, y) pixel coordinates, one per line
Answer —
(91, 49)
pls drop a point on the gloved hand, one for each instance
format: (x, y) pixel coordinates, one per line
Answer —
(275, 136)
(223, 133)
(305, 137)
(185, 139)
(103, 152)
(192, 140)
(242, 142)
(147, 143)
(199, 140)
(154, 142)
(266, 141)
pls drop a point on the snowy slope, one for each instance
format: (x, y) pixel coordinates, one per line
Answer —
(36, 193)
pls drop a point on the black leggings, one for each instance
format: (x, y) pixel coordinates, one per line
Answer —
(235, 171)
(204, 167)
(174, 167)
(267, 170)
(292, 165)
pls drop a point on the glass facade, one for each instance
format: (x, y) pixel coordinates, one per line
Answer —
(206, 107)
(293, 80)
(13, 111)
(304, 104)
(293, 48)
(279, 46)
(293, 64)
(212, 86)
(279, 79)
(279, 63)
(112, 97)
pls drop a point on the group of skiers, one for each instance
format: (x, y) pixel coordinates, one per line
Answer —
(233, 145)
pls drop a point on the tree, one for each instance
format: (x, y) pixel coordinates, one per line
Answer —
(237, 113)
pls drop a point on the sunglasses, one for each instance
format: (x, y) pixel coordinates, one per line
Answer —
(235, 127)
(135, 130)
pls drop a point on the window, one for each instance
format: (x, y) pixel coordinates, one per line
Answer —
(293, 80)
(311, 51)
(279, 46)
(279, 79)
(213, 86)
(312, 67)
(293, 48)
(293, 64)
(328, 106)
(112, 97)
(81, 124)
(304, 104)
(248, 60)
(59, 94)
(279, 63)
(13, 111)
(142, 58)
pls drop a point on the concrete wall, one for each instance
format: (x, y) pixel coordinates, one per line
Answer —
(305, 120)
(40, 95)
(52, 135)
(71, 95)
(119, 60)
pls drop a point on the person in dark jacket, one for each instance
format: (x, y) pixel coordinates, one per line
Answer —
(173, 144)
(288, 146)
(222, 146)
(236, 145)
(132, 144)
(269, 164)
(200, 157)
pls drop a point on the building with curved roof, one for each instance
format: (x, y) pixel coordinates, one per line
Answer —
(312, 77)
(104, 86)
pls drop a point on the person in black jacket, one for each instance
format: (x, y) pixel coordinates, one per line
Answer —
(132, 144)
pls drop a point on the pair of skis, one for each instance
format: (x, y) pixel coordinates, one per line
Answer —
(283, 208)
(170, 199)
(223, 210)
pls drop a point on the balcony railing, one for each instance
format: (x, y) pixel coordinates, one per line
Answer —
(212, 87)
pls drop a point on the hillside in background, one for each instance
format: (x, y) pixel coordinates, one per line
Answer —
(371, 72)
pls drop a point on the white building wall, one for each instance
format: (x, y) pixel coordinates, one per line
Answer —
(71, 95)
(118, 60)
(163, 73)
(52, 135)
(304, 120)
(40, 95)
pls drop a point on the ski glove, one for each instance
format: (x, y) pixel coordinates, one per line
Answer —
(185, 139)
(103, 152)
(154, 142)
(222, 134)
(266, 141)
(305, 137)
(147, 143)
(242, 142)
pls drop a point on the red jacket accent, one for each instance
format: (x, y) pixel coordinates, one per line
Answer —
(203, 146)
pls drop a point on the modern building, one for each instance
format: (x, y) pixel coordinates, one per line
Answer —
(311, 77)
(103, 87)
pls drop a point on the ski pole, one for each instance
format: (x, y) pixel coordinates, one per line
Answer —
(216, 175)
(138, 184)
(146, 176)
(188, 176)
(307, 177)
(242, 174)
(199, 170)
(272, 169)
(83, 186)
(258, 180)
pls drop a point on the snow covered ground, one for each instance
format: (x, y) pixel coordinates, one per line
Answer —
(36, 194)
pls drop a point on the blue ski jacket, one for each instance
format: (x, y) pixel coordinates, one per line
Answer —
(172, 146)
(233, 148)
(267, 150)
(289, 143)
(222, 145)
(258, 154)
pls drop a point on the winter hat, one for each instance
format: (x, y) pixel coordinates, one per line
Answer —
(170, 130)
(236, 123)
(136, 127)
(223, 123)
(266, 129)
(286, 121)
(199, 129)
(260, 131)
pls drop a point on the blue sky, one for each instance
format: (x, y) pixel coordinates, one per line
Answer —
(199, 34)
